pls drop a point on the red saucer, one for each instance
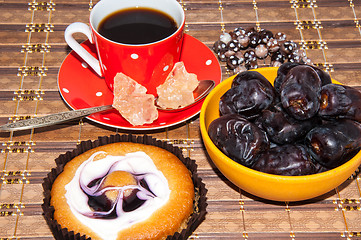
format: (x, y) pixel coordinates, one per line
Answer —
(80, 87)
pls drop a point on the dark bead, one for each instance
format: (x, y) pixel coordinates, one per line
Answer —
(239, 31)
(219, 46)
(233, 35)
(254, 39)
(250, 31)
(234, 46)
(250, 59)
(265, 36)
(250, 55)
(288, 47)
(280, 37)
(222, 56)
(233, 62)
(251, 65)
(294, 57)
(278, 56)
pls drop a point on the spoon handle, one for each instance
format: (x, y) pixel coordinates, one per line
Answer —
(53, 119)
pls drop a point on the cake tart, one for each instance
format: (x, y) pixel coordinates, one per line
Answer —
(124, 190)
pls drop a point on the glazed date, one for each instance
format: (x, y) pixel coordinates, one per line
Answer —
(303, 125)
(300, 101)
(324, 76)
(281, 74)
(299, 91)
(333, 143)
(285, 68)
(252, 75)
(339, 101)
(238, 138)
(303, 75)
(282, 129)
(247, 97)
(288, 160)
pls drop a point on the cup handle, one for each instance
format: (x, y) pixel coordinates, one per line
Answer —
(79, 27)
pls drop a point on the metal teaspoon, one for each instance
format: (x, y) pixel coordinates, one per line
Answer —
(204, 87)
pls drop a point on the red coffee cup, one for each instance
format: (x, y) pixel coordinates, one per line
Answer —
(148, 63)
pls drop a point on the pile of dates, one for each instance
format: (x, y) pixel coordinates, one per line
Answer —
(301, 125)
(242, 49)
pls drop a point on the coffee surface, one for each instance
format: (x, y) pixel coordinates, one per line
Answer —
(137, 26)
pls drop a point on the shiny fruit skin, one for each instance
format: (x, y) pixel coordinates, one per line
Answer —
(332, 143)
(238, 138)
(288, 160)
(339, 101)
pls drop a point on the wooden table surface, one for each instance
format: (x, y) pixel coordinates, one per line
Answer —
(32, 48)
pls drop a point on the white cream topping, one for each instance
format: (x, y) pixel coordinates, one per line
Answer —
(136, 163)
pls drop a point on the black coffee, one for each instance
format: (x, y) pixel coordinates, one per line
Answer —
(137, 26)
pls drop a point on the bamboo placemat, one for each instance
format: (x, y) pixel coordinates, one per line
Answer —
(32, 49)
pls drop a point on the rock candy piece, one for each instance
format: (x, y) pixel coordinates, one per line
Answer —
(177, 90)
(132, 101)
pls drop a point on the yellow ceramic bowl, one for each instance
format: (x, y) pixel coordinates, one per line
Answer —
(264, 185)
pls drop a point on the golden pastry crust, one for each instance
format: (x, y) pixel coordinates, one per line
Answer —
(165, 221)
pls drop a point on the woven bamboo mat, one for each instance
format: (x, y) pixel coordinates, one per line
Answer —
(32, 48)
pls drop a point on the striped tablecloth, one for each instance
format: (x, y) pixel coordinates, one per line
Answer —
(32, 49)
